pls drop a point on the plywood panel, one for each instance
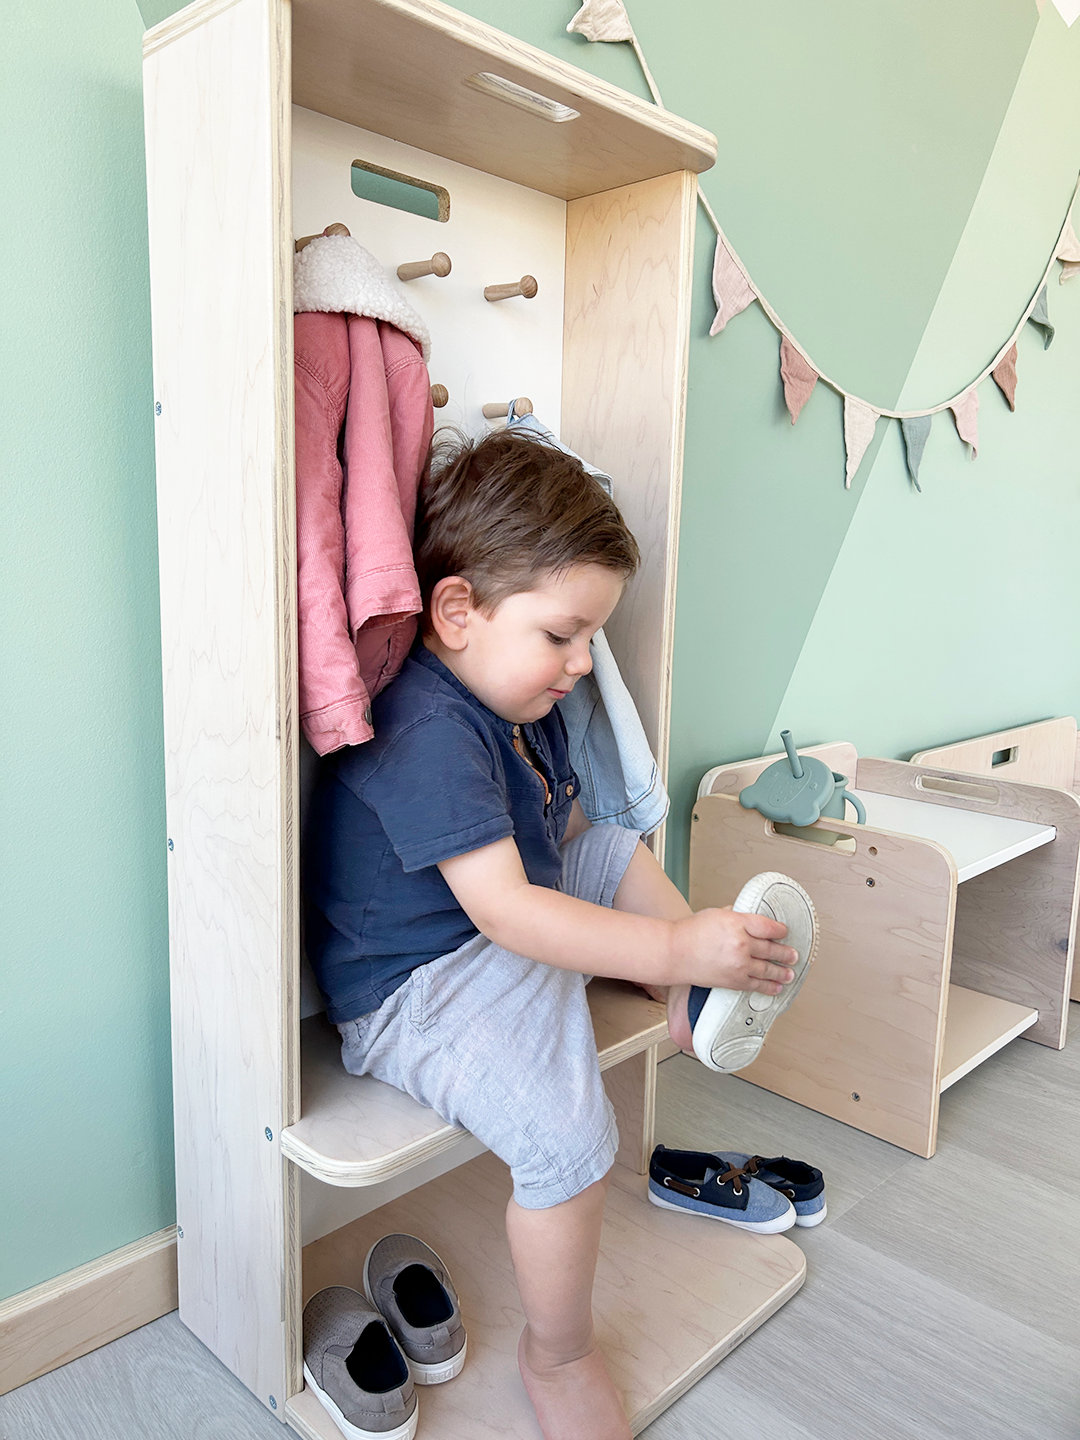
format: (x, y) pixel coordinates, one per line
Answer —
(627, 305)
(217, 130)
(400, 67)
(863, 1040)
(673, 1295)
(1043, 753)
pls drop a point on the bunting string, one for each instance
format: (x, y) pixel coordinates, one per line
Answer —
(734, 291)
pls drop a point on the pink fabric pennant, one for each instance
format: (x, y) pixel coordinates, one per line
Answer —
(1068, 252)
(798, 376)
(731, 289)
(1004, 374)
(859, 422)
(966, 414)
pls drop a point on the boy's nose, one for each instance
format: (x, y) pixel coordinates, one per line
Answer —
(580, 662)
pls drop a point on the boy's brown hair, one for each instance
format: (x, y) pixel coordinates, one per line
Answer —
(509, 508)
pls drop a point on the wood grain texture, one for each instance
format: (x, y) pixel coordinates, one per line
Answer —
(1015, 925)
(56, 1322)
(863, 1040)
(1043, 753)
(672, 1297)
(625, 352)
(978, 1025)
(355, 1130)
(1047, 752)
(400, 67)
(218, 201)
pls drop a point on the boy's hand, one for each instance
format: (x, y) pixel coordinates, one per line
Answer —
(738, 952)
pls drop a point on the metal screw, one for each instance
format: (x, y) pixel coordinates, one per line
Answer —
(855, 1095)
(171, 845)
(871, 881)
(273, 1403)
(696, 816)
(268, 1133)
(157, 408)
(750, 1021)
(179, 1232)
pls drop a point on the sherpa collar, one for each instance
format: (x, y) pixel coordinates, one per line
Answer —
(336, 273)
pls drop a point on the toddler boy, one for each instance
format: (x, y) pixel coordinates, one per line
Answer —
(457, 895)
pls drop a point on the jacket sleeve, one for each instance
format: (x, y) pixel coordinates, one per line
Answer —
(388, 430)
(334, 701)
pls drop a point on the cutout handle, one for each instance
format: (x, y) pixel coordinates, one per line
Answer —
(980, 792)
(524, 99)
(1005, 757)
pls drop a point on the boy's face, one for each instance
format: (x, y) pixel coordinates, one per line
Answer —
(530, 652)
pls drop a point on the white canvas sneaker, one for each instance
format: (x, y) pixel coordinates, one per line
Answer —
(729, 1026)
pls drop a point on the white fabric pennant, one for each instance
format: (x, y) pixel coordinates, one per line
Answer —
(859, 422)
(730, 287)
(966, 414)
(1068, 252)
(602, 20)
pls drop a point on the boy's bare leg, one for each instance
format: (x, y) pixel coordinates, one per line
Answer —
(554, 1253)
(646, 890)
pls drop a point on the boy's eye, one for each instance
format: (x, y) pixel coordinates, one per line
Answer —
(558, 639)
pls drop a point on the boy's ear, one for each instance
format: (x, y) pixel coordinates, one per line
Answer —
(450, 607)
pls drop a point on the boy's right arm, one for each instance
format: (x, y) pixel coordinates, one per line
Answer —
(711, 947)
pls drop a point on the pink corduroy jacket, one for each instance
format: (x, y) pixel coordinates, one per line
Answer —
(362, 394)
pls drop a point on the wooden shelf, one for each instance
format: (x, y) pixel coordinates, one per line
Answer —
(355, 1130)
(976, 841)
(403, 68)
(976, 1026)
(674, 1294)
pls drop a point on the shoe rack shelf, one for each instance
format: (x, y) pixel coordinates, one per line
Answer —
(255, 111)
(947, 926)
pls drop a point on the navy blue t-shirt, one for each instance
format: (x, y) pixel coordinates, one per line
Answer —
(440, 778)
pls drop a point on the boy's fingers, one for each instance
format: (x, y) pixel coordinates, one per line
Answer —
(778, 954)
(762, 927)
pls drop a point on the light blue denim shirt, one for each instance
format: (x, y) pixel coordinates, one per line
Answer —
(620, 781)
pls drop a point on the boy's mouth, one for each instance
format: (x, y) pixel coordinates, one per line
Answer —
(557, 693)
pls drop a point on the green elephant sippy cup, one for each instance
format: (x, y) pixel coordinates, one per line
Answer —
(795, 792)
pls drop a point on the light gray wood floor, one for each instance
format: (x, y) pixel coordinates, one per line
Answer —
(940, 1300)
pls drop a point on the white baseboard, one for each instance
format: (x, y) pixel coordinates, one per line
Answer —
(43, 1328)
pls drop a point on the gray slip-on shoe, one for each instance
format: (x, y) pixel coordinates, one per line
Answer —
(729, 1026)
(356, 1368)
(411, 1287)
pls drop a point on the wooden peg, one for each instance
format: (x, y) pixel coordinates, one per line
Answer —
(439, 265)
(499, 409)
(440, 396)
(336, 229)
(526, 287)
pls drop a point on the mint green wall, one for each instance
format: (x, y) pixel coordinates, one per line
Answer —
(84, 1045)
(893, 182)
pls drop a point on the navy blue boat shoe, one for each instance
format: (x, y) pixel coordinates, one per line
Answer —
(702, 1184)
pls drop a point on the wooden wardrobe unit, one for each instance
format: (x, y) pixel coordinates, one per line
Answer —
(221, 80)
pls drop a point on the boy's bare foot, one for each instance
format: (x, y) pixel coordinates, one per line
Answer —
(574, 1398)
(678, 1017)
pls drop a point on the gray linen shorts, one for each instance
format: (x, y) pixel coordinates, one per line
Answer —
(504, 1046)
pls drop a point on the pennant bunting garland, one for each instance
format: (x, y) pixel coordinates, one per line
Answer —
(602, 20)
(1068, 252)
(915, 430)
(1040, 316)
(859, 422)
(799, 378)
(1005, 376)
(730, 287)
(965, 411)
(733, 291)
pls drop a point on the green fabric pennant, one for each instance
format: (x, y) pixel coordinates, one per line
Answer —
(1041, 317)
(916, 428)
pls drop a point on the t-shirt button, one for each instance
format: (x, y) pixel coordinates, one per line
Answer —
(367, 714)
(570, 789)
(516, 731)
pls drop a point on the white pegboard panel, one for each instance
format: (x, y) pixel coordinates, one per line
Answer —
(481, 351)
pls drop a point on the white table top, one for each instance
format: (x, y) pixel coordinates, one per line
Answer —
(976, 841)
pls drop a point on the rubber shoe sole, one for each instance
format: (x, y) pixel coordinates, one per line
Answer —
(404, 1431)
(730, 1026)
